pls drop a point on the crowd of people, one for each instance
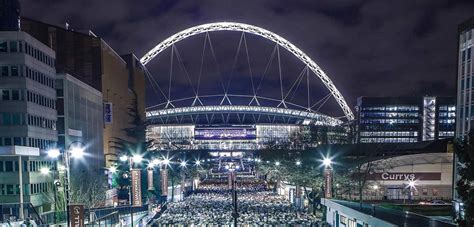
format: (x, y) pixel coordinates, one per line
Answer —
(211, 204)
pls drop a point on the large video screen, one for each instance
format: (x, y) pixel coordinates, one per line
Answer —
(234, 132)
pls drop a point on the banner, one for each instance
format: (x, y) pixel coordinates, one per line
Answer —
(164, 181)
(328, 183)
(136, 187)
(76, 214)
(150, 179)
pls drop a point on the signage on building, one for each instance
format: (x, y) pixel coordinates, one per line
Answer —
(136, 187)
(389, 176)
(73, 132)
(108, 114)
(328, 183)
(164, 182)
(76, 214)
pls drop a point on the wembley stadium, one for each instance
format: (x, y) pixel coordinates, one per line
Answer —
(242, 107)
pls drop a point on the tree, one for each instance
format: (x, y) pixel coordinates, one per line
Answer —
(464, 186)
(299, 168)
(88, 190)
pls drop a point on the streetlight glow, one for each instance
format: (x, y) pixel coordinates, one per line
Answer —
(44, 170)
(277, 163)
(77, 152)
(298, 163)
(183, 164)
(137, 158)
(123, 158)
(54, 153)
(198, 162)
(166, 161)
(156, 162)
(113, 169)
(327, 162)
(411, 184)
(375, 187)
(61, 167)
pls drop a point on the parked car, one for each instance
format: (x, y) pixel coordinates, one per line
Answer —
(434, 202)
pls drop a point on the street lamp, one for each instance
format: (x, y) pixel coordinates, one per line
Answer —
(123, 158)
(44, 171)
(327, 162)
(113, 169)
(74, 150)
(328, 177)
(183, 164)
(277, 163)
(298, 163)
(232, 169)
(136, 158)
(54, 153)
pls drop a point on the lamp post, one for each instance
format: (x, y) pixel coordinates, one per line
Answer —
(232, 169)
(71, 152)
(74, 150)
(132, 159)
(328, 175)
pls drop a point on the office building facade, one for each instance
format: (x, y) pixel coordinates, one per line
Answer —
(80, 120)
(465, 84)
(404, 119)
(91, 60)
(27, 125)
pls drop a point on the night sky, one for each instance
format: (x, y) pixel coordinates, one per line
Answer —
(368, 48)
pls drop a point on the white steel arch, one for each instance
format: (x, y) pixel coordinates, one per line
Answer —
(233, 26)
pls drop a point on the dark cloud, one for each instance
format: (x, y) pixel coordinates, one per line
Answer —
(368, 48)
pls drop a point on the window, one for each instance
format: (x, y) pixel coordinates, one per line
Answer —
(13, 46)
(4, 71)
(14, 71)
(3, 46)
(15, 95)
(435, 192)
(8, 166)
(5, 95)
(6, 119)
(7, 141)
(424, 191)
(16, 119)
(10, 189)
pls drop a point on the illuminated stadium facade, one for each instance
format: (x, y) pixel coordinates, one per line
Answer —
(231, 121)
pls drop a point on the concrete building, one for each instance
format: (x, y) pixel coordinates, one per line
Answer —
(465, 83)
(91, 60)
(390, 179)
(404, 119)
(80, 119)
(27, 124)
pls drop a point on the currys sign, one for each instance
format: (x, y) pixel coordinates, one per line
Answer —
(404, 176)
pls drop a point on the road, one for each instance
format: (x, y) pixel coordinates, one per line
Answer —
(400, 218)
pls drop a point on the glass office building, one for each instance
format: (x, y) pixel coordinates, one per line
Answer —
(404, 119)
(465, 101)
